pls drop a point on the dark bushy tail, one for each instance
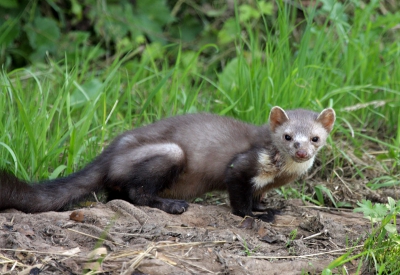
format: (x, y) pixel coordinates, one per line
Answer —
(49, 195)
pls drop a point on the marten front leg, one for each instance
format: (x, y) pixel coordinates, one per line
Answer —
(257, 205)
(148, 170)
(238, 179)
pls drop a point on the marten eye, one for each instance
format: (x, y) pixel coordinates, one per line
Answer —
(288, 138)
(315, 139)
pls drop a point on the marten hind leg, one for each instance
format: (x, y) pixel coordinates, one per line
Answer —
(150, 173)
(151, 177)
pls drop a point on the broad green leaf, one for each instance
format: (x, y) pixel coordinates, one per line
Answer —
(76, 9)
(391, 228)
(229, 76)
(112, 25)
(43, 33)
(266, 7)
(155, 10)
(86, 92)
(372, 212)
(247, 12)
(153, 51)
(228, 32)
(9, 3)
(188, 29)
(391, 205)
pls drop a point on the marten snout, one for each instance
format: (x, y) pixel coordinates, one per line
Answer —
(301, 154)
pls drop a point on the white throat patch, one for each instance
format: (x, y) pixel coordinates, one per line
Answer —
(297, 168)
(268, 170)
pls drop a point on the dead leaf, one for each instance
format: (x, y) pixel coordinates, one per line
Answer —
(77, 216)
(72, 251)
(246, 223)
(97, 253)
(262, 231)
(93, 266)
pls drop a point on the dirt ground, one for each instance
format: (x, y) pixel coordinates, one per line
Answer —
(120, 238)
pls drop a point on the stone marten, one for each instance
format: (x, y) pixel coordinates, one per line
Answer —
(165, 163)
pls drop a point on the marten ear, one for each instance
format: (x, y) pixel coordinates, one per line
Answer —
(277, 117)
(327, 118)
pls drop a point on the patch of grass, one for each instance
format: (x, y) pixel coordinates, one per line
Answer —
(247, 250)
(63, 117)
(384, 181)
(382, 247)
(292, 236)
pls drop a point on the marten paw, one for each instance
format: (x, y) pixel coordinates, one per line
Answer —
(269, 216)
(174, 206)
(259, 207)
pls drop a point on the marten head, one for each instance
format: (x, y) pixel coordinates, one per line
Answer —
(299, 134)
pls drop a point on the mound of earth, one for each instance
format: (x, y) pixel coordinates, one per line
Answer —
(120, 238)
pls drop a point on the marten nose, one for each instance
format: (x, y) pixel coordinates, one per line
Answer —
(301, 154)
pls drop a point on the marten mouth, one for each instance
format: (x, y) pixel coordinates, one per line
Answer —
(296, 159)
(300, 160)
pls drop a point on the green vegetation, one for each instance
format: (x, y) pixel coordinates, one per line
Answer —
(72, 97)
(382, 247)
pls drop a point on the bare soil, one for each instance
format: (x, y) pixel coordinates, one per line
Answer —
(120, 238)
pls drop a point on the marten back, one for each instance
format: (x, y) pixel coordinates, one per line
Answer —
(198, 138)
